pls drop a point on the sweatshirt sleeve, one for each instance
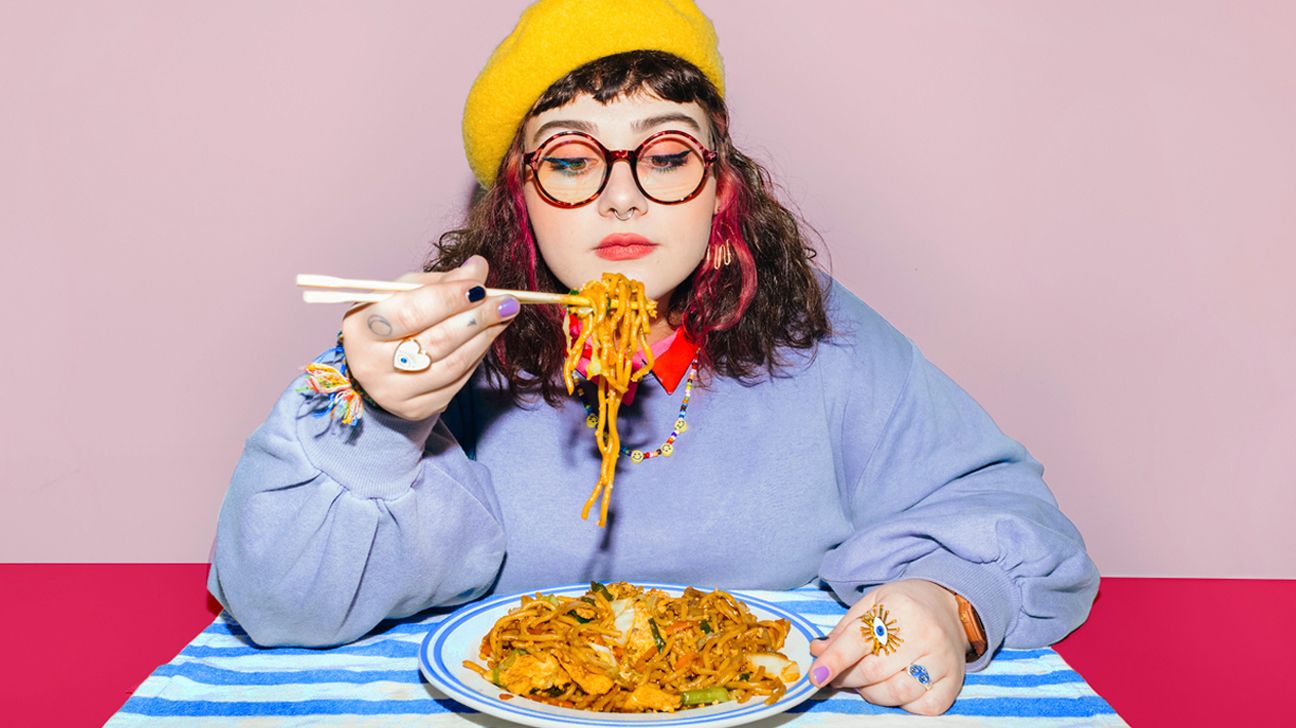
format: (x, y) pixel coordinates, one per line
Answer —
(944, 495)
(327, 530)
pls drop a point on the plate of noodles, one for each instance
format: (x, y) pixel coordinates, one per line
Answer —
(616, 654)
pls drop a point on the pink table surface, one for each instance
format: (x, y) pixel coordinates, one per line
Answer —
(79, 638)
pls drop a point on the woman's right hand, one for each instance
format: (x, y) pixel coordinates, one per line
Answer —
(454, 332)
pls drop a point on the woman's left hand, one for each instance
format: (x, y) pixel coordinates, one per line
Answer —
(925, 631)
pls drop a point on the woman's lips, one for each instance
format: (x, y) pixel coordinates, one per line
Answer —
(624, 246)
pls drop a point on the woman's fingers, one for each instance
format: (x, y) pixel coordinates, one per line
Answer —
(847, 656)
(423, 394)
(411, 312)
(460, 342)
(442, 353)
(897, 687)
(442, 341)
(868, 668)
(840, 651)
(888, 680)
(936, 701)
(848, 620)
(442, 295)
(818, 645)
(434, 402)
(875, 669)
(413, 351)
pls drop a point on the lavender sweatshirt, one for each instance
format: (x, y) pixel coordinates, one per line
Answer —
(858, 465)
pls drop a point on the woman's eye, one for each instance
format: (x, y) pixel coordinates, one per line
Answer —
(668, 162)
(568, 165)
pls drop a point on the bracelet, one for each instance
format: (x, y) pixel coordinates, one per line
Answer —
(341, 352)
(338, 393)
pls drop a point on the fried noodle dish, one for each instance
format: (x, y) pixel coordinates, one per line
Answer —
(615, 326)
(620, 648)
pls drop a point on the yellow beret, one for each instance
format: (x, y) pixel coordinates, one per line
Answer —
(555, 37)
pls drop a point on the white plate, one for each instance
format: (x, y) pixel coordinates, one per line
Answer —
(459, 636)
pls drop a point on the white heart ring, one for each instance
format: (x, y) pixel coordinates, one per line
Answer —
(410, 357)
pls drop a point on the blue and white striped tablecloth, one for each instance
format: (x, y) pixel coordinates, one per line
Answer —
(222, 679)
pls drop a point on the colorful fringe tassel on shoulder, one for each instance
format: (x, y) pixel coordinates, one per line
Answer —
(327, 381)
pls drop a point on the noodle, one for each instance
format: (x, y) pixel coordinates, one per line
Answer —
(615, 325)
(619, 648)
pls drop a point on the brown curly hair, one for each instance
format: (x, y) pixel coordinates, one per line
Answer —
(738, 314)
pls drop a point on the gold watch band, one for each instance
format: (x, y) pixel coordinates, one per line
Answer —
(972, 626)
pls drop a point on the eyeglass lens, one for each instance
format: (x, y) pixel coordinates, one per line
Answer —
(669, 168)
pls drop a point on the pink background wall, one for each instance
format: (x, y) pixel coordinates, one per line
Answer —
(1083, 212)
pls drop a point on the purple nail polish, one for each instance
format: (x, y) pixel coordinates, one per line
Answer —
(509, 307)
(476, 293)
(819, 675)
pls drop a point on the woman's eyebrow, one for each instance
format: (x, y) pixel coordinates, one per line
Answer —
(637, 126)
(652, 121)
(576, 124)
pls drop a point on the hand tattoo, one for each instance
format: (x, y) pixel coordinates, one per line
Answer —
(379, 325)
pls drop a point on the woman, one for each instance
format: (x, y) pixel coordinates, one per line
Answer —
(786, 434)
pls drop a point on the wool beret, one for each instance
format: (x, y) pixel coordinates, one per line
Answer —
(554, 38)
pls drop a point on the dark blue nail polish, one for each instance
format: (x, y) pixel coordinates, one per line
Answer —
(476, 293)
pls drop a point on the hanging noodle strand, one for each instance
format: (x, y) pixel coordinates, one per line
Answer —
(615, 326)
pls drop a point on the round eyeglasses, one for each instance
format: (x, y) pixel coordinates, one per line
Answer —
(571, 168)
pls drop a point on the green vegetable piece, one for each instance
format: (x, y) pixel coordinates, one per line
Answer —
(704, 696)
(661, 643)
(706, 627)
(745, 676)
(601, 590)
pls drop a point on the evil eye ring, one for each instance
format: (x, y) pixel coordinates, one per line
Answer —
(409, 357)
(881, 630)
(919, 673)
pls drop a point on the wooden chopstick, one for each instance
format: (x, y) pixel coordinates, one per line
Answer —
(384, 290)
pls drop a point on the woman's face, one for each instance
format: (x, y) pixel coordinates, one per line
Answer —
(577, 243)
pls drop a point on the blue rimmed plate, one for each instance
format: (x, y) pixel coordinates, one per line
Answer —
(459, 636)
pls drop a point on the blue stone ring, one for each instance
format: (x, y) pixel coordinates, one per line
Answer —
(919, 673)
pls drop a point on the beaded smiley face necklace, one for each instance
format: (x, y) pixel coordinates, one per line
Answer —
(667, 448)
